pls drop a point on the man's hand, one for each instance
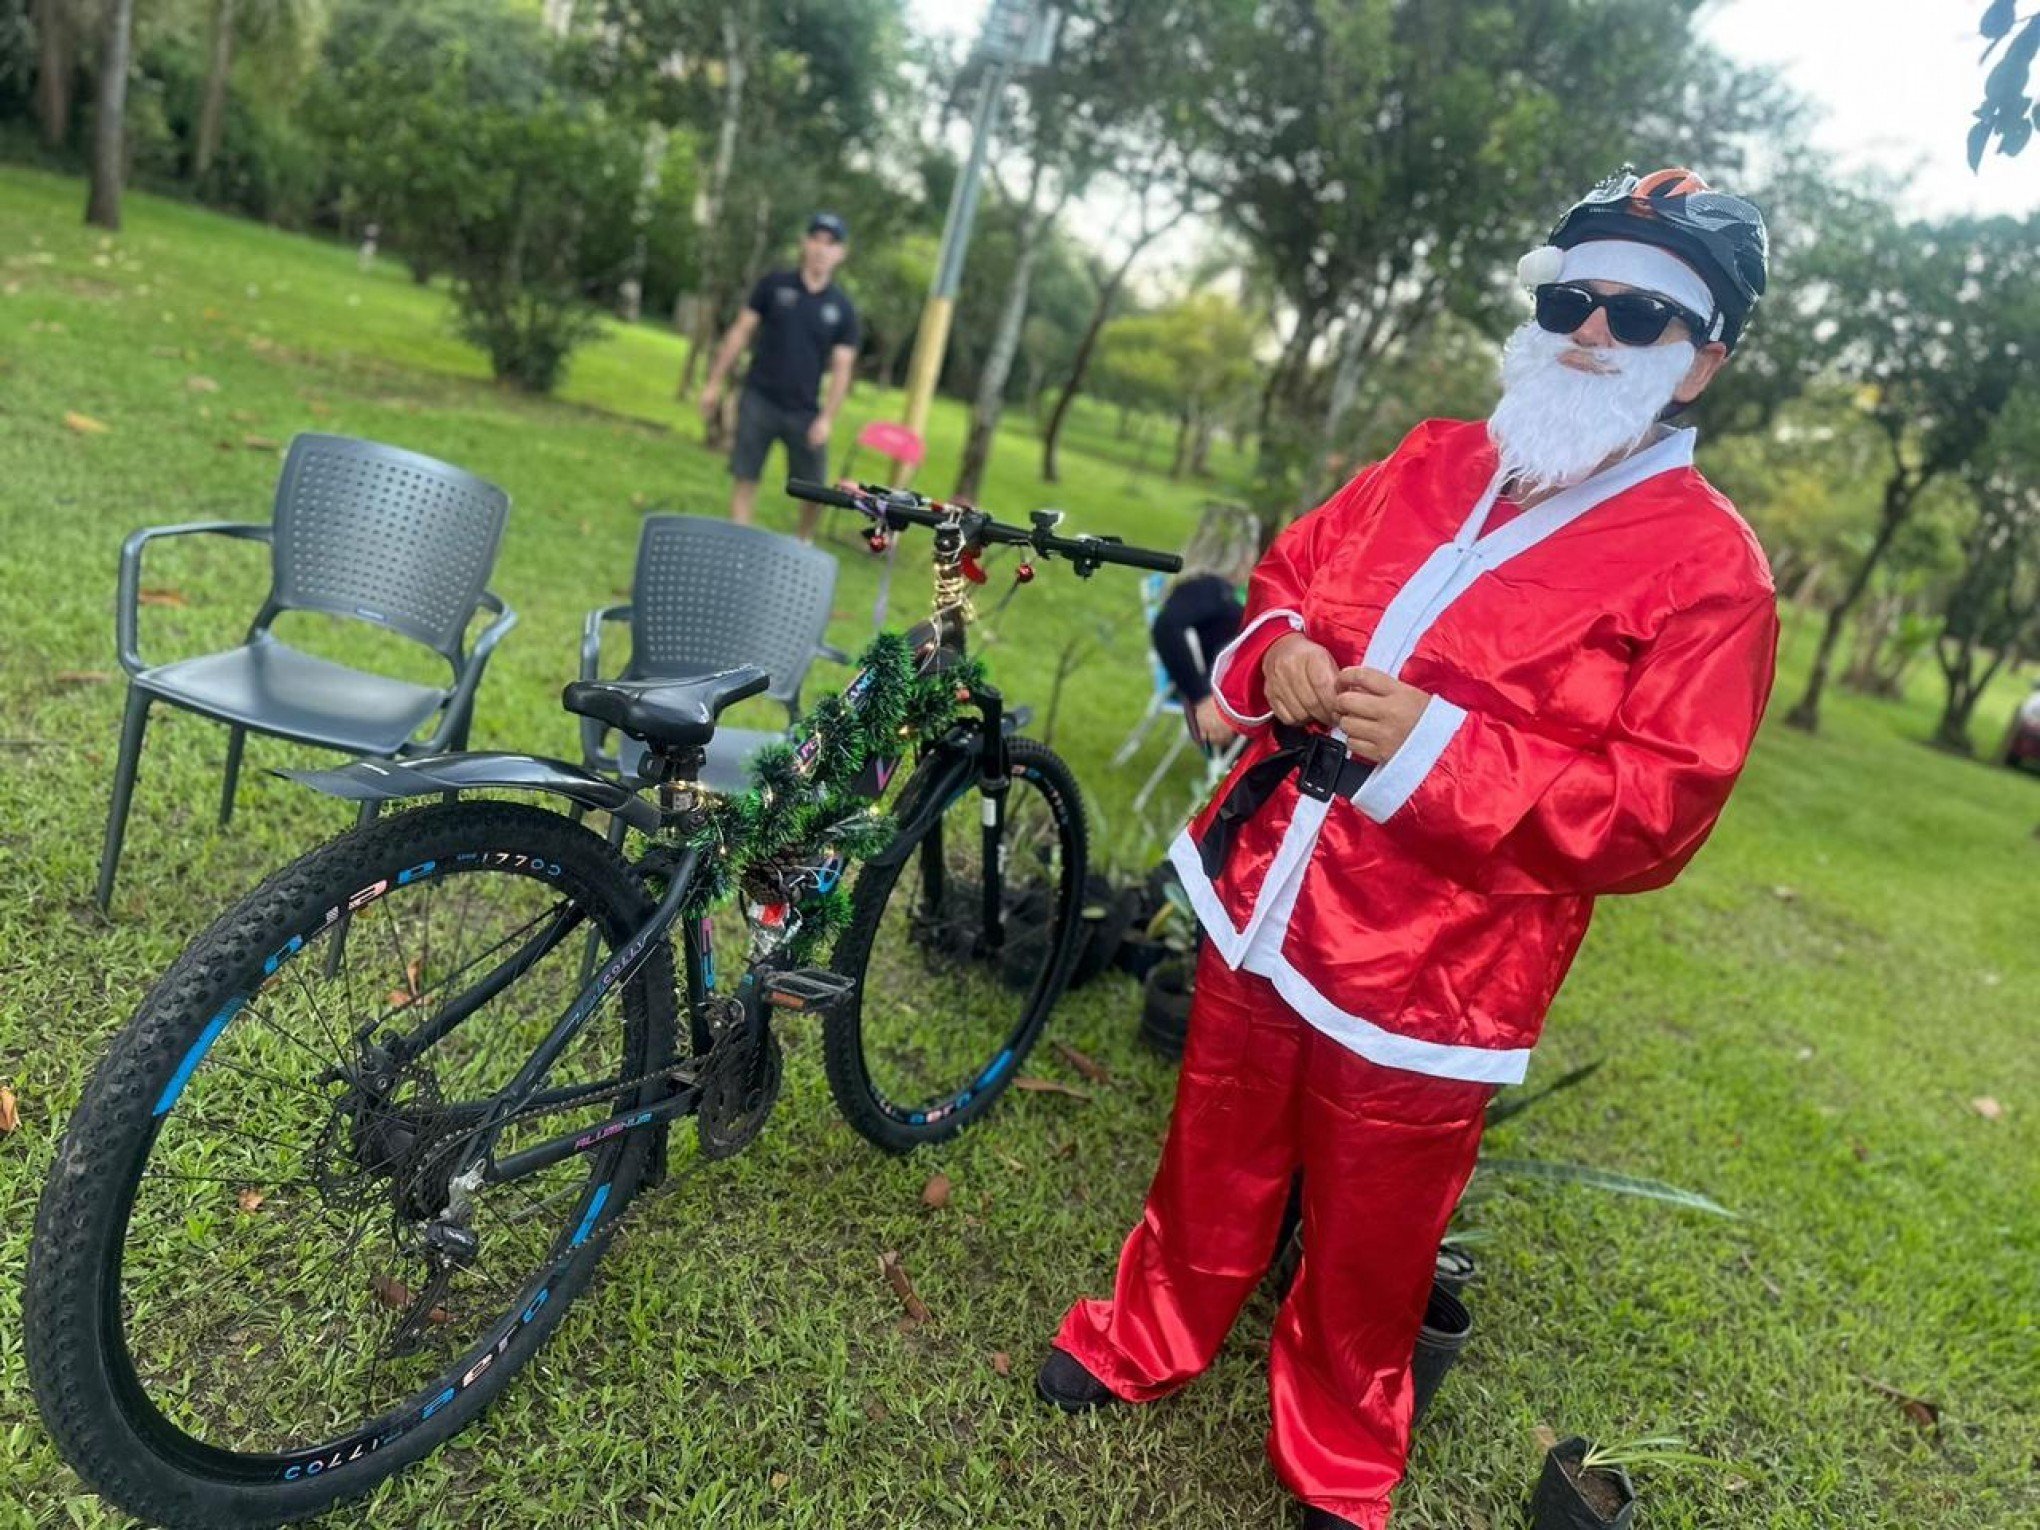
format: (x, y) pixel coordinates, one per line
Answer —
(1376, 711)
(711, 399)
(1302, 681)
(1210, 726)
(818, 430)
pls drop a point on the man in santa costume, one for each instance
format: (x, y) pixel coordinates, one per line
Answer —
(1515, 665)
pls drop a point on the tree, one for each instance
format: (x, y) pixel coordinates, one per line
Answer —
(56, 33)
(109, 127)
(285, 23)
(1192, 358)
(1994, 606)
(1939, 322)
(892, 281)
(1386, 161)
(785, 96)
(2006, 114)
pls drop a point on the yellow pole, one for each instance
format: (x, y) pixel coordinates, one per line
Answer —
(931, 343)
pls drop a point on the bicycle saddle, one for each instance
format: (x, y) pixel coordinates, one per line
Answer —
(667, 714)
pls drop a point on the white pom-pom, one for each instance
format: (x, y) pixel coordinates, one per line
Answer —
(1541, 265)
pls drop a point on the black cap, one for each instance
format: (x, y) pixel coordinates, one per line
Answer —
(829, 223)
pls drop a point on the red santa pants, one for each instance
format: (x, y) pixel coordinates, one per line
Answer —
(1384, 1153)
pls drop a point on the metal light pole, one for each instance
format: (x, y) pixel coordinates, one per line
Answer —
(1019, 34)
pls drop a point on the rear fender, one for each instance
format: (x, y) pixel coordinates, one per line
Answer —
(395, 780)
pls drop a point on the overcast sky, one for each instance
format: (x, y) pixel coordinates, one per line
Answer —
(1898, 81)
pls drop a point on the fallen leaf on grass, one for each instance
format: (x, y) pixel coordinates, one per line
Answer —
(260, 444)
(779, 1481)
(1923, 1413)
(82, 677)
(403, 998)
(10, 1112)
(84, 424)
(249, 1200)
(1545, 1436)
(1010, 1161)
(1090, 1068)
(1002, 1363)
(163, 597)
(1987, 1107)
(876, 1411)
(1049, 1086)
(396, 1296)
(200, 384)
(1785, 894)
(935, 1193)
(889, 1266)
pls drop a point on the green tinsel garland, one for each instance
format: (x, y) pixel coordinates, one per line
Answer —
(795, 811)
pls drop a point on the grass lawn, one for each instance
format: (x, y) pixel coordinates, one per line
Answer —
(1799, 1029)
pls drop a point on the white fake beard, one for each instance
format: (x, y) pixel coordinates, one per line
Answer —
(1556, 424)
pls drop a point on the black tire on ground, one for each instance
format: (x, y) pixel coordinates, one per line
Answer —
(936, 1031)
(260, 1466)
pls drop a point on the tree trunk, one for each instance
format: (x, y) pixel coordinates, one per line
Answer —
(1200, 450)
(109, 128)
(1182, 457)
(212, 106)
(1899, 493)
(708, 210)
(56, 62)
(991, 392)
(1125, 422)
(1080, 363)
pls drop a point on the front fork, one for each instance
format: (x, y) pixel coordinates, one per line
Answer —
(993, 781)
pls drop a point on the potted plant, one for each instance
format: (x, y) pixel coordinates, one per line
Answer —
(1586, 1487)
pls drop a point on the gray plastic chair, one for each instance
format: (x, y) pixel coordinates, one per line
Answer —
(709, 595)
(360, 530)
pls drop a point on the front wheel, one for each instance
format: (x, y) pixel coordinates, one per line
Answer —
(252, 1290)
(945, 1012)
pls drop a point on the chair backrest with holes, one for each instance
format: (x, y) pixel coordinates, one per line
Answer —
(384, 535)
(709, 594)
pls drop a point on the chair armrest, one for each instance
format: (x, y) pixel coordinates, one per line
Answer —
(460, 703)
(126, 618)
(591, 669)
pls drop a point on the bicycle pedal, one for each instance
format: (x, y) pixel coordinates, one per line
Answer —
(807, 988)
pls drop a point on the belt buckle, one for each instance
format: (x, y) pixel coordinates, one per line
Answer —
(1317, 775)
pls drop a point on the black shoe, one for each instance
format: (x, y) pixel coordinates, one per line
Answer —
(1325, 1519)
(1063, 1381)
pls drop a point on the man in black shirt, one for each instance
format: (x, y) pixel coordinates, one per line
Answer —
(801, 319)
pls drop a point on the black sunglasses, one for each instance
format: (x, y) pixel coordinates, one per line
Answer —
(1634, 318)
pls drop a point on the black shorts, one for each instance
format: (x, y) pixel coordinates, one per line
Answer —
(760, 422)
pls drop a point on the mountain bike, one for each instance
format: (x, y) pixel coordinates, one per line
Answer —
(346, 1168)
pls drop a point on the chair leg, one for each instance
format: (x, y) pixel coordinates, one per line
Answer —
(1139, 734)
(236, 738)
(132, 727)
(1141, 797)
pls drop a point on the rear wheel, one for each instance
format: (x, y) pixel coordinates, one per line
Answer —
(249, 1291)
(942, 1020)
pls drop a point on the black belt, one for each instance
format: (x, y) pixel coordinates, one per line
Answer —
(1323, 770)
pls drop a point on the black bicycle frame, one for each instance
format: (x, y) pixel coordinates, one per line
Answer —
(942, 637)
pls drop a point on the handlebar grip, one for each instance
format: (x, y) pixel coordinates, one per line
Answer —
(1128, 557)
(819, 493)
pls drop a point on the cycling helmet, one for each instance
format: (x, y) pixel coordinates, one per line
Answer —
(1720, 236)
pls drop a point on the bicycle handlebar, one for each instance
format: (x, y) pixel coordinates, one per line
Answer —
(901, 507)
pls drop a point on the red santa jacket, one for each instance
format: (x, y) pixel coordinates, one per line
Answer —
(1598, 665)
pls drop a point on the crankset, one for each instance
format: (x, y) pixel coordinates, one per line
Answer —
(740, 1078)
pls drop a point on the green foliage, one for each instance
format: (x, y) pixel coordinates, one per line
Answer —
(547, 210)
(2007, 114)
(801, 805)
